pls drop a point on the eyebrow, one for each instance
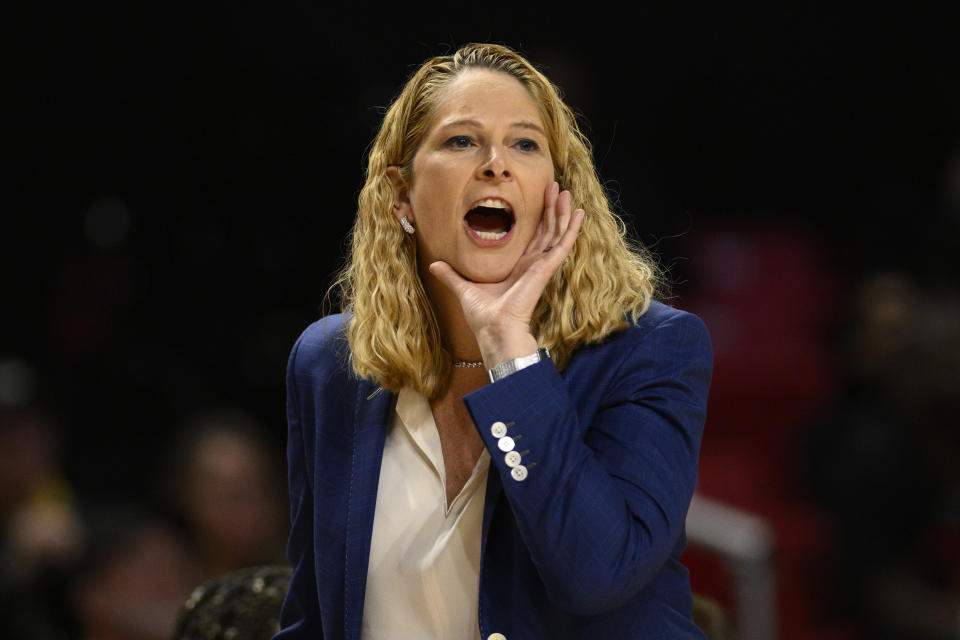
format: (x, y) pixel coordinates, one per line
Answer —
(469, 122)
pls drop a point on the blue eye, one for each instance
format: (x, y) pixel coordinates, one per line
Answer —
(526, 144)
(458, 142)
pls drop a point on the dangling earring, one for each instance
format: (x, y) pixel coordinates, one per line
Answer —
(406, 225)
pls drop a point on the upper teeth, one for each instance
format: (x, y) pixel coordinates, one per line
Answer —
(494, 204)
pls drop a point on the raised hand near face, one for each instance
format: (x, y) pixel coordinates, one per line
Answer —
(499, 313)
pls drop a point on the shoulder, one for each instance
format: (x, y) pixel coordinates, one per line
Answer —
(662, 363)
(663, 344)
(659, 315)
(663, 326)
(325, 331)
(322, 345)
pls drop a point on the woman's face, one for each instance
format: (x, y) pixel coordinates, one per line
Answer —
(479, 177)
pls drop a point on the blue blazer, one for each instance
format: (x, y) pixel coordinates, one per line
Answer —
(586, 546)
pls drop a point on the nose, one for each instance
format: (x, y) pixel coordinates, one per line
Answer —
(494, 167)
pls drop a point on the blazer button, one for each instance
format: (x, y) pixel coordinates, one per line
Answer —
(505, 443)
(512, 459)
(496, 636)
(498, 429)
(519, 473)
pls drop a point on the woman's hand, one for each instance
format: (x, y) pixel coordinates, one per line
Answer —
(499, 313)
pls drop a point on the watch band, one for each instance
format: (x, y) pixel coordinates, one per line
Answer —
(504, 369)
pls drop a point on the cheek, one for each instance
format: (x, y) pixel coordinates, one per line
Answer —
(434, 195)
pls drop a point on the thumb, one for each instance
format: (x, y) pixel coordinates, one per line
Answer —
(447, 276)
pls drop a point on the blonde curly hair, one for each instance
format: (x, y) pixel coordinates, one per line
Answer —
(393, 332)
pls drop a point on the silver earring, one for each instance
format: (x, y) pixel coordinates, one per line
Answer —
(406, 225)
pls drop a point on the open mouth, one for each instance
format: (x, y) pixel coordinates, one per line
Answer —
(490, 219)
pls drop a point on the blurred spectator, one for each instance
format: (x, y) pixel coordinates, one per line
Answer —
(36, 504)
(132, 577)
(228, 489)
(244, 605)
(885, 462)
(40, 532)
(40, 524)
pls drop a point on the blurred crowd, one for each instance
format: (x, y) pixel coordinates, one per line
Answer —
(77, 566)
(884, 461)
(834, 417)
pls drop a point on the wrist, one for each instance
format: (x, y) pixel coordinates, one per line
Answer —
(509, 367)
(500, 346)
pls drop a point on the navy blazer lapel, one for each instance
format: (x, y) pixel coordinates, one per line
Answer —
(371, 418)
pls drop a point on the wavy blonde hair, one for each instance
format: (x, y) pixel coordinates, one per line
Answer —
(393, 333)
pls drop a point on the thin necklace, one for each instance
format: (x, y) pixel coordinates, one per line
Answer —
(467, 364)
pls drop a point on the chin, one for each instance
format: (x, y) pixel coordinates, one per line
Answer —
(491, 273)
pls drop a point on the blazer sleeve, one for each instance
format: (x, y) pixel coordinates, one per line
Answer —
(300, 614)
(609, 475)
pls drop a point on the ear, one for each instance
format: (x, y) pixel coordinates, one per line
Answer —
(401, 194)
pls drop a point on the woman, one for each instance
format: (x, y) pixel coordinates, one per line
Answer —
(499, 437)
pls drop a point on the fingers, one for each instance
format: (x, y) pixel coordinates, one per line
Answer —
(561, 215)
(554, 200)
(558, 253)
(569, 236)
(544, 233)
(554, 222)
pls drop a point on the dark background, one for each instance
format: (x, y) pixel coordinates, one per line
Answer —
(178, 178)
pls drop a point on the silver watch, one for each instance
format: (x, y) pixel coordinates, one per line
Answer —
(504, 369)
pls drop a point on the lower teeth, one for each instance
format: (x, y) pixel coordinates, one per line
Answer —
(491, 235)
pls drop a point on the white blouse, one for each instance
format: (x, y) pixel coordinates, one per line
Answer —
(424, 571)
